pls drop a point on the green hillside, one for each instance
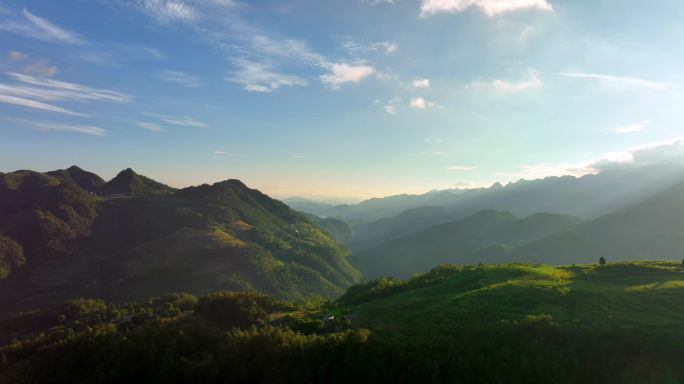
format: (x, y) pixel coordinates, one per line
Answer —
(514, 323)
(486, 235)
(135, 238)
(629, 295)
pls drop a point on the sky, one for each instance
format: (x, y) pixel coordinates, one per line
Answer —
(339, 99)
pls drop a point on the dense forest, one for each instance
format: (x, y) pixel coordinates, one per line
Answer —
(525, 324)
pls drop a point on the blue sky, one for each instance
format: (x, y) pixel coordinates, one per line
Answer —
(353, 98)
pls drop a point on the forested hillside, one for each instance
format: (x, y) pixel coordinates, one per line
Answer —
(513, 323)
(65, 234)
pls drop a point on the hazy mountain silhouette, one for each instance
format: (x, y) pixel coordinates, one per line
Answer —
(486, 233)
(586, 197)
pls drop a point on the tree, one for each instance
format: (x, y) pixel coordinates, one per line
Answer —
(602, 260)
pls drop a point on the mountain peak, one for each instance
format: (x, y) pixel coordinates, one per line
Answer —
(128, 182)
(128, 172)
(84, 179)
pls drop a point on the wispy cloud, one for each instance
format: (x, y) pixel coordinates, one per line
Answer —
(390, 109)
(632, 128)
(460, 168)
(46, 126)
(217, 152)
(376, 2)
(40, 92)
(29, 66)
(257, 54)
(421, 83)
(36, 27)
(150, 126)
(54, 90)
(434, 140)
(533, 81)
(356, 48)
(182, 78)
(258, 77)
(618, 80)
(17, 56)
(181, 121)
(166, 11)
(489, 7)
(15, 100)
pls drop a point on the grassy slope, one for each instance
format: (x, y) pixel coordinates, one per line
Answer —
(632, 295)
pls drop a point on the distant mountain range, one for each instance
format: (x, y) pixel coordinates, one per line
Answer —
(484, 236)
(650, 230)
(382, 220)
(68, 233)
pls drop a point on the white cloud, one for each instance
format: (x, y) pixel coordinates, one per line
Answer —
(460, 168)
(35, 27)
(60, 127)
(390, 109)
(533, 81)
(621, 81)
(258, 77)
(182, 78)
(663, 153)
(421, 83)
(150, 126)
(666, 153)
(540, 171)
(417, 103)
(341, 73)
(217, 152)
(182, 121)
(489, 7)
(421, 103)
(632, 128)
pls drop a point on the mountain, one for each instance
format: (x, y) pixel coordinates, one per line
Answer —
(84, 179)
(127, 182)
(338, 229)
(653, 229)
(586, 197)
(136, 238)
(375, 208)
(484, 236)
